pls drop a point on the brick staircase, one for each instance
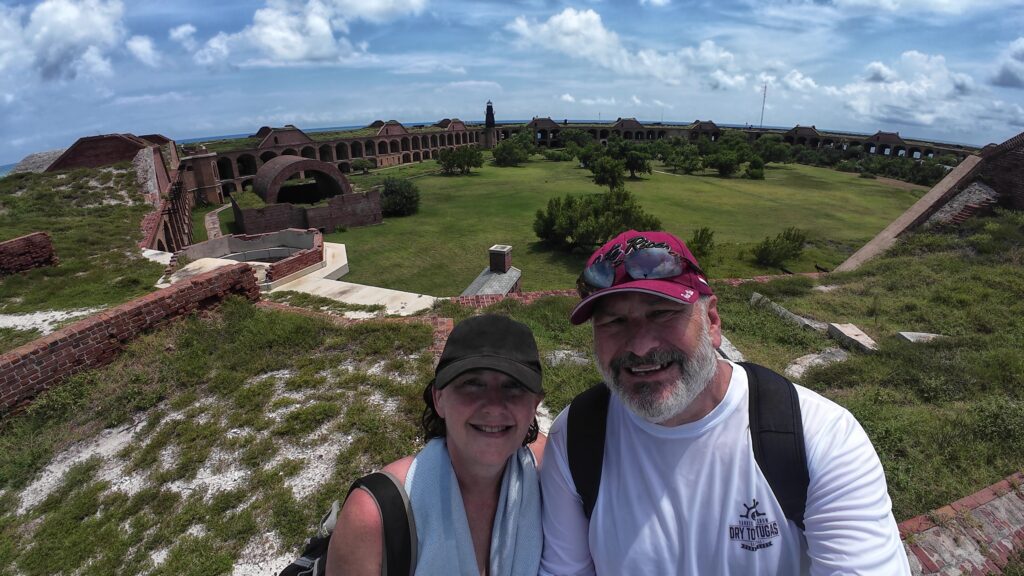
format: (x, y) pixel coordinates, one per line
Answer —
(969, 210)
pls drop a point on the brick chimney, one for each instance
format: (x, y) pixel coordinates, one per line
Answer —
(501, 258)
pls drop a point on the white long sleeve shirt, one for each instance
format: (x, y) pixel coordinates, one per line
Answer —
(691, 499)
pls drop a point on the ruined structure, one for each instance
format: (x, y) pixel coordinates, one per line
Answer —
(26, 252)
(344, 208)
(500, 277)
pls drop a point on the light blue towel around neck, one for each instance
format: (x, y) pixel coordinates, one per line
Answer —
(445, 544)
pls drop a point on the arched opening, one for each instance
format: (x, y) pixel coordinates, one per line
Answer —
(246, 185)
(915, 153)
(504, 135)
(426, 154)
(929, 153)
(382, 147)
(801, 141)
(416, 157)
(814, 143)
(627, 135)
(870, 148)
(341, 151)
(267, 157)
(309, 152)
(302, 191)
(405, 144)
(289, 152)
(160, 246)
(465, 138)
(433, 141)
(344, 167)
(167, 235)
(650, 134)
(604, 134)
(661, 134)
(900, 151)
(225, 168)
(246, 165)
(228, 188)
(394, 147)
(326, 154)
(406, 158)
(886, 150)
(415, 142)
(370, 148)
(357, 149)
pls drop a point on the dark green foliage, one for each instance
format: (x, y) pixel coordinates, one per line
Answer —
(702, 245)
(399, 197)
(590, 154)
(609, 172)
(686, 159)
(637, 161)
(725, 161)
(575, 136)
(787, 245)
(557, 155)
(584, 222)
(460, 160)
(513, 151)
(771, 148)
(362, 165)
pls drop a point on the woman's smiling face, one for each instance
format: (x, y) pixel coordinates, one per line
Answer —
(487, 415)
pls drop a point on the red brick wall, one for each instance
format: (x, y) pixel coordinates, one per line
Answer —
(30, 369)
(297, 261)
(348, 210)
(25, 252)
(1005, 173)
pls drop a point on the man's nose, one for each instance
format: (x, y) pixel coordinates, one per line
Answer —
(640, 340)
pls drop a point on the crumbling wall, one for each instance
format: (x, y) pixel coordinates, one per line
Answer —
(30, 369)
(1003, 170)
(26, 252)
(297, 261)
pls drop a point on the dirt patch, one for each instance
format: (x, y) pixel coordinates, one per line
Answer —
(901, 184)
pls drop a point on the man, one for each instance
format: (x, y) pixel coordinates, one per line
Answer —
(680, 490)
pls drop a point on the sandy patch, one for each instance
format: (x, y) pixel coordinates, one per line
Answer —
(220, 473)
(544, 418)
(45, 321)
(260, 557)
(106, 445)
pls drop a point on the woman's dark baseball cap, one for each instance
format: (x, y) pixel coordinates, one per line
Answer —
(495, 343)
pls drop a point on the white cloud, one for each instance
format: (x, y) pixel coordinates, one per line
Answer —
(923, 91)
(421, 64)
(656, 2)
(142, 48)
(636, 100)
(878, 72)
(567, 98)
(7, 98)
(720, 80)
(1011, 66)
(598, 101)
(63, 38)
(912, 7)
(150, 98)
(661, 104)
(797, 82)
(292, 32)
(474, 85)
(215, 52)
(184, 35)
(582, 35)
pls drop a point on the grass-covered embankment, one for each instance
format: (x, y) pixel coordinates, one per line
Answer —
(93, 217)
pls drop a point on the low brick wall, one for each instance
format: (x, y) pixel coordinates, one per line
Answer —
(485, 300)
(30, 369)
(297, 261)
(974, 535)
(26, 252)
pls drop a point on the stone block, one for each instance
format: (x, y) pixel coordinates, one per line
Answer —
(849, 336)
(761, 300)
(730, 352)
(796, 369)
(919, 337)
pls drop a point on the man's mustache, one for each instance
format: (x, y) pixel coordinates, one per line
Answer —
(656, 356)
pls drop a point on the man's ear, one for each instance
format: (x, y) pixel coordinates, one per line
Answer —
(437, 401)
(714, 322)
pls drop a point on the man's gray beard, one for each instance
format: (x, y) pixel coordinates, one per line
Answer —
(697, 372)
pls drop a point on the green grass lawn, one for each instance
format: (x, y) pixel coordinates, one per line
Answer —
(460, 217)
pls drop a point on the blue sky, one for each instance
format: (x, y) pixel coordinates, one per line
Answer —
(944, 69)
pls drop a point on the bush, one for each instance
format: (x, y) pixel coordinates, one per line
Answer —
(460, 160)
(755, 170)
(510, 153)
(557, 156)
(775, 251)
(399, 197)
(361, 165)
(725, 162)
(584, 222)
(702, 245)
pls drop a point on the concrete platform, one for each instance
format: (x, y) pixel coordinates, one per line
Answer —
(394, 301)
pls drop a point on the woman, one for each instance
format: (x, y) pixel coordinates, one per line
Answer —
(473, 488)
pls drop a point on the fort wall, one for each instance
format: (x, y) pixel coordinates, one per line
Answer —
(26, 252)
(30, 369)
(1004, 170)
(343, 210)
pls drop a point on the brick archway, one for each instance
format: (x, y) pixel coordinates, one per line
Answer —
(273, 174)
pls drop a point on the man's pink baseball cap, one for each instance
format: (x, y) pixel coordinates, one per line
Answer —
(638, 262)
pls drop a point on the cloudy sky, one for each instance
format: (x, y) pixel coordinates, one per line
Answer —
(944, 69)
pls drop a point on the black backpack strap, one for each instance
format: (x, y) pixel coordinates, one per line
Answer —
(588, 420)
(777, 437)
(400, 544)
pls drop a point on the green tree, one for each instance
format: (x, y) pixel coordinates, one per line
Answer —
(591, 154)
(737, 142)
(509, 153)
(583, 222)
(637, 161)
(575, 136)
(399, 197)
(362, 165)
(686, 159)
(755, 169)
(446, 158)
(789, 244)
(724, 161)
(469, 157)
(771, 148)
(609, 172)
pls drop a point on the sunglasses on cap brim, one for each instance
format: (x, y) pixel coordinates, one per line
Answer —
(654, 263)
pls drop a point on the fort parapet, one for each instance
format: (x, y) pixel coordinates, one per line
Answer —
(26, 252)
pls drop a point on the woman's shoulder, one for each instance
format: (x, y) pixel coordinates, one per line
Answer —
(399, 468)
